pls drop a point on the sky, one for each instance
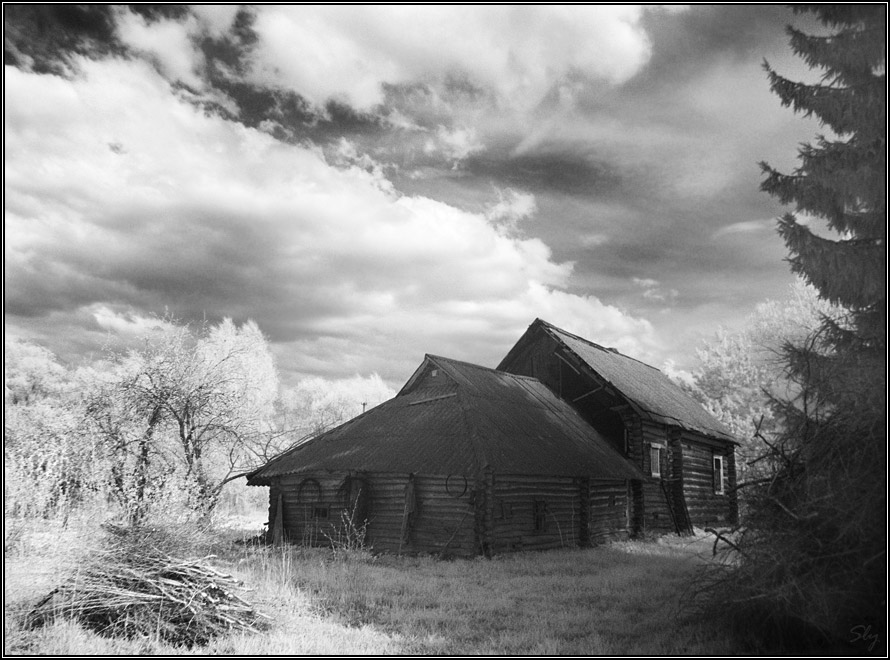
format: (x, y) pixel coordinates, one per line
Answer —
(371, 184)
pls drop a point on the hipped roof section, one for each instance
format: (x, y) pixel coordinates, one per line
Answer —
(651, 393)
(453, 417)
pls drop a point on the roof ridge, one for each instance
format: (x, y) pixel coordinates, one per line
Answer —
(715, 428)
(479, 366)
(614, 351)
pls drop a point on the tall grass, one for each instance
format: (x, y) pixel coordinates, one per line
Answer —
(618, 599)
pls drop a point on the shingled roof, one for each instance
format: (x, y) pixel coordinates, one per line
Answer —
(655, 396)
(453, 417)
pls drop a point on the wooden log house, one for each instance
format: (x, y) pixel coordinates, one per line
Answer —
(687, 457)
(465, 460)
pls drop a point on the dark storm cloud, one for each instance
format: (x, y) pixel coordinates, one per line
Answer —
(43, 37)
(551, 170)
(683, 43)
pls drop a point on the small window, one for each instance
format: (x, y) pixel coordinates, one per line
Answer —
(506, 510)
(540, 516)
(718, 475)
(320, 512)
(655, 460)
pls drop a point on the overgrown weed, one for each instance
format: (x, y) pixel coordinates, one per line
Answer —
(617, 599)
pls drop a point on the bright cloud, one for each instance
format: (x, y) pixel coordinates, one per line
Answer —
(455, 144)
(120, 196)
(519, 52)
(125, 323)
(512, 207)
(168, 43)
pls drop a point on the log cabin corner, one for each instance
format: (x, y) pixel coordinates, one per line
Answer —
(686, 455)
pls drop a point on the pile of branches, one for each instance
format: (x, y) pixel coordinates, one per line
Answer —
(135, 589)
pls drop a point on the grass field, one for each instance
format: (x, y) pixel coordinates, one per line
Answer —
(624, 598)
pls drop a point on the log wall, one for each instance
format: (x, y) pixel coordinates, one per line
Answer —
(442, 519)
(609, 508)
(656, 510)
(706, 507)
(657, 504)
(445, 517)
(500, 513)
(513, 522)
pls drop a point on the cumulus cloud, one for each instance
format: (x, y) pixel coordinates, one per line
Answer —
(646, 283)
(167, 42)
(520, 52)
(653, 291)
(125, 323)
(512, 207)
(679, 376)
(215, 20)
(455, 144)
(121, 196)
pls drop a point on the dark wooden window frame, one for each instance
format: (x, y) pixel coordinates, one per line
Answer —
(539, 511)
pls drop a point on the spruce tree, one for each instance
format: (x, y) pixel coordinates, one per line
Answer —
(814, 551)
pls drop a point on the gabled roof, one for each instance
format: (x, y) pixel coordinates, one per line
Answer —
(652, 394)
(458, 418)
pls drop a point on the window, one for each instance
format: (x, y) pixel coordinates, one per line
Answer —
(506, 510)
(540, 516)
(320, 512)
(718, 475)
(655, 460)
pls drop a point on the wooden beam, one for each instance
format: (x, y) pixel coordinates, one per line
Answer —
(590, 374)
(434, 398)
(593, 391)
(571, 366)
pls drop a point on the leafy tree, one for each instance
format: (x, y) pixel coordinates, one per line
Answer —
(30, 372)
(316, 404)
(49, 456)
(740, 373)
(813, 550)
(194, 404)
(167, 423)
